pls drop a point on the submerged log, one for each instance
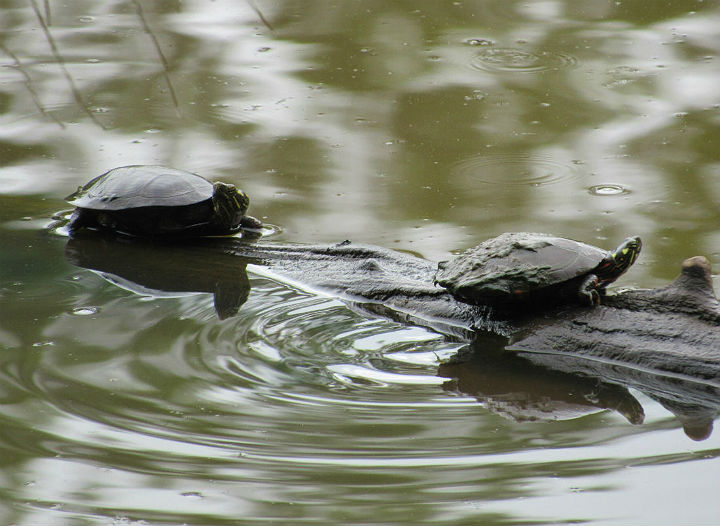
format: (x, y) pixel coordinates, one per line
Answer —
(664, 341)
(675, 329)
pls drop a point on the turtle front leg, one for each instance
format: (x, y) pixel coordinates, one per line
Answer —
(251, 223)
(80, 218)
(589, 292)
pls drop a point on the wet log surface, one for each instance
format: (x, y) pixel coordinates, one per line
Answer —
(654, 328)
(675, 329)
(665, 341)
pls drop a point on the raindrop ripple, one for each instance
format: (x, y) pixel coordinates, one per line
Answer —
(513, 60)
(512, 169)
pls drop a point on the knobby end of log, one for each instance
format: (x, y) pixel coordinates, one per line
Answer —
(696, 272)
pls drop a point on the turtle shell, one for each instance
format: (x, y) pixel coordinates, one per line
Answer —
(146, 200)
(142, 186)
(518, 266)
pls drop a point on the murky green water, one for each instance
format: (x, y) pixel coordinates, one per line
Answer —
(422, 126)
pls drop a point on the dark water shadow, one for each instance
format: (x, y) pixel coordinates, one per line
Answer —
(528, 386)
(160, 269)
(514, 387)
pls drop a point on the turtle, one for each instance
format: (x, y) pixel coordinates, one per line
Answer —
(148, 200)
(533, 270)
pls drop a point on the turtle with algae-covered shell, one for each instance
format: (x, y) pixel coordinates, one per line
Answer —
(529, 269)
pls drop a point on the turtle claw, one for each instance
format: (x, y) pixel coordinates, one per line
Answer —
(594, 298)
(589, 293)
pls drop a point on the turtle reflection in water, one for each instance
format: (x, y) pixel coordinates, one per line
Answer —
(528, 269)
(159, 201)
(148, 269)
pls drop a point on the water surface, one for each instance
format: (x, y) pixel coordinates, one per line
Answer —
(424, 127)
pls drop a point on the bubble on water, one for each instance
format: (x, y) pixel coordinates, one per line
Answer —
(513, 60)
(479, 42)
(85, 311)
(608, 189)
(86, 19)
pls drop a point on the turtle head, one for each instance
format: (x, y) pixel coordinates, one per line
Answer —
(229, 205)
(620, 259)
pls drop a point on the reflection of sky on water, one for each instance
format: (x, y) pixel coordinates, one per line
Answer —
(304, 115)
(427, 128)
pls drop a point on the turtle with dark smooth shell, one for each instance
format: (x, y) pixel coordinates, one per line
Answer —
(528, 269)
(146, 200)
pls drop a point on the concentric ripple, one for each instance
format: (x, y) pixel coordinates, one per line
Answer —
(513, 60)
(298, 398)
(166, 379)
(513, 169)
(326, 343)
